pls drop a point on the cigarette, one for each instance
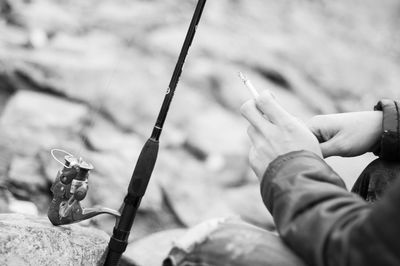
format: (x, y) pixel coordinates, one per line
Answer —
(248, 84)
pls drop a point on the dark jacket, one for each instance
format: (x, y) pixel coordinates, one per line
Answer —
(323, 222)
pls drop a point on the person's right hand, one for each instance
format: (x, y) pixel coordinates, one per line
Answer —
(347, 134)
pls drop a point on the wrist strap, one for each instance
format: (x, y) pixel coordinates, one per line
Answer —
(389, 148)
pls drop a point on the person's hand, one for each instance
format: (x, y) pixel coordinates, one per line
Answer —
(274, 132)
(347, 134)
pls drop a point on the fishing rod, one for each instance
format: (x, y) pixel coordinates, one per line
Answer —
(148, 156)
(71, 183)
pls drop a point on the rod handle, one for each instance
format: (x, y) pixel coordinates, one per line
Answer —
(112, 258)
(143, 169)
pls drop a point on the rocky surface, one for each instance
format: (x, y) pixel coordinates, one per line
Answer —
(89, 77)
(152, 250)
(26, 240)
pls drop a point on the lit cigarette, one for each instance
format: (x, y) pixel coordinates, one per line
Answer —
(249, 85)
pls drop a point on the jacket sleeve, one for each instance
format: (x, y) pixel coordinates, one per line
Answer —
(323, 222)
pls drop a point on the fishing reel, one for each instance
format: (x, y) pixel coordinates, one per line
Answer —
(69, 189)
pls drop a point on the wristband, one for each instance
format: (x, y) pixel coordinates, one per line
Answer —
(389, 148)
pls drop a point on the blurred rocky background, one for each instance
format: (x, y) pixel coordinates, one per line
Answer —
(89, 77)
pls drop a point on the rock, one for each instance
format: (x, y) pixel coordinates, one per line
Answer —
(216, 131)
(28, 240)
(4, 95)
(194, 203)
(23, 207)
(27, 181)
(8, 203)
(152, 250)
(6, 157)
(5, 197)
(246, 202)
(196, 194)
(189, 190)
(37, 38)
(5, 7)
(43, 14)
(103, 136)
(53, 120)
(228, 171)
(10, 12)
(25, 172)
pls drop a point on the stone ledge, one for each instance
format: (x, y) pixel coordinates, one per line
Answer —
(28, 240)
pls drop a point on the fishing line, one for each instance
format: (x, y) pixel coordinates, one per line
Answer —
(97, 110)
(94, 111)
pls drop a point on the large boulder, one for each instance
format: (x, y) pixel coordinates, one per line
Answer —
(26, 240)
(38, 120)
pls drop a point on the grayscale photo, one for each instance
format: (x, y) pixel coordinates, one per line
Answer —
(199, 133)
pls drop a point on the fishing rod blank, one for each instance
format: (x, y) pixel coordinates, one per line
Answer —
(148, 156)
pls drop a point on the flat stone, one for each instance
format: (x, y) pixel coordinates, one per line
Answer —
(154, 249)
(25, 172)
(103, 136)
(37, 120)
(217, 131)
(246, 202)
(6, 156)
(28, 240)
(228, 171)
(5, 197)
(190, 189)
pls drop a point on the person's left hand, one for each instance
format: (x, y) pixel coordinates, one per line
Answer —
(274, 132)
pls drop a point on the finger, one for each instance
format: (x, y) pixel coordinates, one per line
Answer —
(267, 104)
(253, 115)
(255, 163)
(255, 136)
